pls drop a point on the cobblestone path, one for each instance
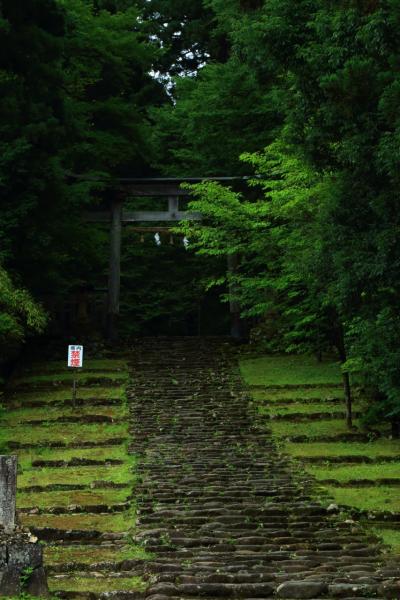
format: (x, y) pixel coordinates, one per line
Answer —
(223, 512)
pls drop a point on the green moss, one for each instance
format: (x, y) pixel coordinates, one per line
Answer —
(61, 365)
(90, 497)
(289, 370)
(25, 457)
(82, 376)
(378, 498)
(301, 394)
(93, 554)
(273, 372)
(357, 471)
(76, 475)
(115, 392)
(117, 522)
(96, 584)
(328, 427)
(50, 413)
(66, 433)
(373, 449)
(391, 537)
(305, 409)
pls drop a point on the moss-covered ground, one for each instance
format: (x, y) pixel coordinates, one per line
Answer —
(91, 497)
(53, 413)
(301, 401)
(82, 475)
(74, 490)
(24, 398)
(289, 371)
(59, 555)
(67, 434)
(99, 453)
(97, 583)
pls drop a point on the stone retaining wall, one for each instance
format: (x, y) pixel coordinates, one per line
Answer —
(21, 565)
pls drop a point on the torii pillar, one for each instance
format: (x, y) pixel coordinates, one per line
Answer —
(114, 274)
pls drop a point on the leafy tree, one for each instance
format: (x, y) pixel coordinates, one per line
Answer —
(20, 316)
(31, 127)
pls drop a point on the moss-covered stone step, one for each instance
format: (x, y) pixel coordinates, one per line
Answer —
(54, 435)
(294, 387)
(374, 449)
(63, 400)
(119, 522)
(76, 509)
(58, 414)
(57, 366)
(335, 438)
(346, 473)
(65, 487)
(59, 556)
(57, 377)
(74, 462)
(97, 586)
(349, 459)
(373, 499)
(296, 417)
(102, 454)
(367, 482)
(45, 500)
(288, 399)
(81, 475)
(48, 384)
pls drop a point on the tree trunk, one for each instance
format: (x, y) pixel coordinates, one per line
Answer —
(348, 400)
(340, 345)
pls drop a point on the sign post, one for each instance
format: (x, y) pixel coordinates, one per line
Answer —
(75, 361)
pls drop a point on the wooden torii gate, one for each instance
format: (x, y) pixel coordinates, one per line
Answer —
(164, 187)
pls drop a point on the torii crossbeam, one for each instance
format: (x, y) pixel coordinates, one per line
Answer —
(165, 187)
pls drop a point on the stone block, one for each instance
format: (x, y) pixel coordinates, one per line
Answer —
(37, 584)
(8, 491)
(21, 565)
(22, 554)
(302, 589)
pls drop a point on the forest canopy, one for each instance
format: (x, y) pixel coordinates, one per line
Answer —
(302, 96)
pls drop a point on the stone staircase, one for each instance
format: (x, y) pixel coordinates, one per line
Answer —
(224, 513)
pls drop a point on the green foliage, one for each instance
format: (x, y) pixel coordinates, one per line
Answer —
(219, 114)
(20, 316)
(319, 257)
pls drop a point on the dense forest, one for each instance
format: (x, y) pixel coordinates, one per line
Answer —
(302, 97)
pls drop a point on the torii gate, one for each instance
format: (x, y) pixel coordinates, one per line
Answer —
(165, 187)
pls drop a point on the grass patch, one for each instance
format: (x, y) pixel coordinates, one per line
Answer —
(80, 376)
(329, 427)
(67, 433)
(299, 394)
(55, 555)
(50, 413)
(61, 365)
(96, 584)
(117, 522)
(357, 471)
(96, 392)
(305, 409)
(76, 475)
(380, 498)
(289, 370)
(373, 449)
(390, 537)
(25, 457)
(44, 500)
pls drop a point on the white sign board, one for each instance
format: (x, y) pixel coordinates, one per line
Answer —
(75, 356)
